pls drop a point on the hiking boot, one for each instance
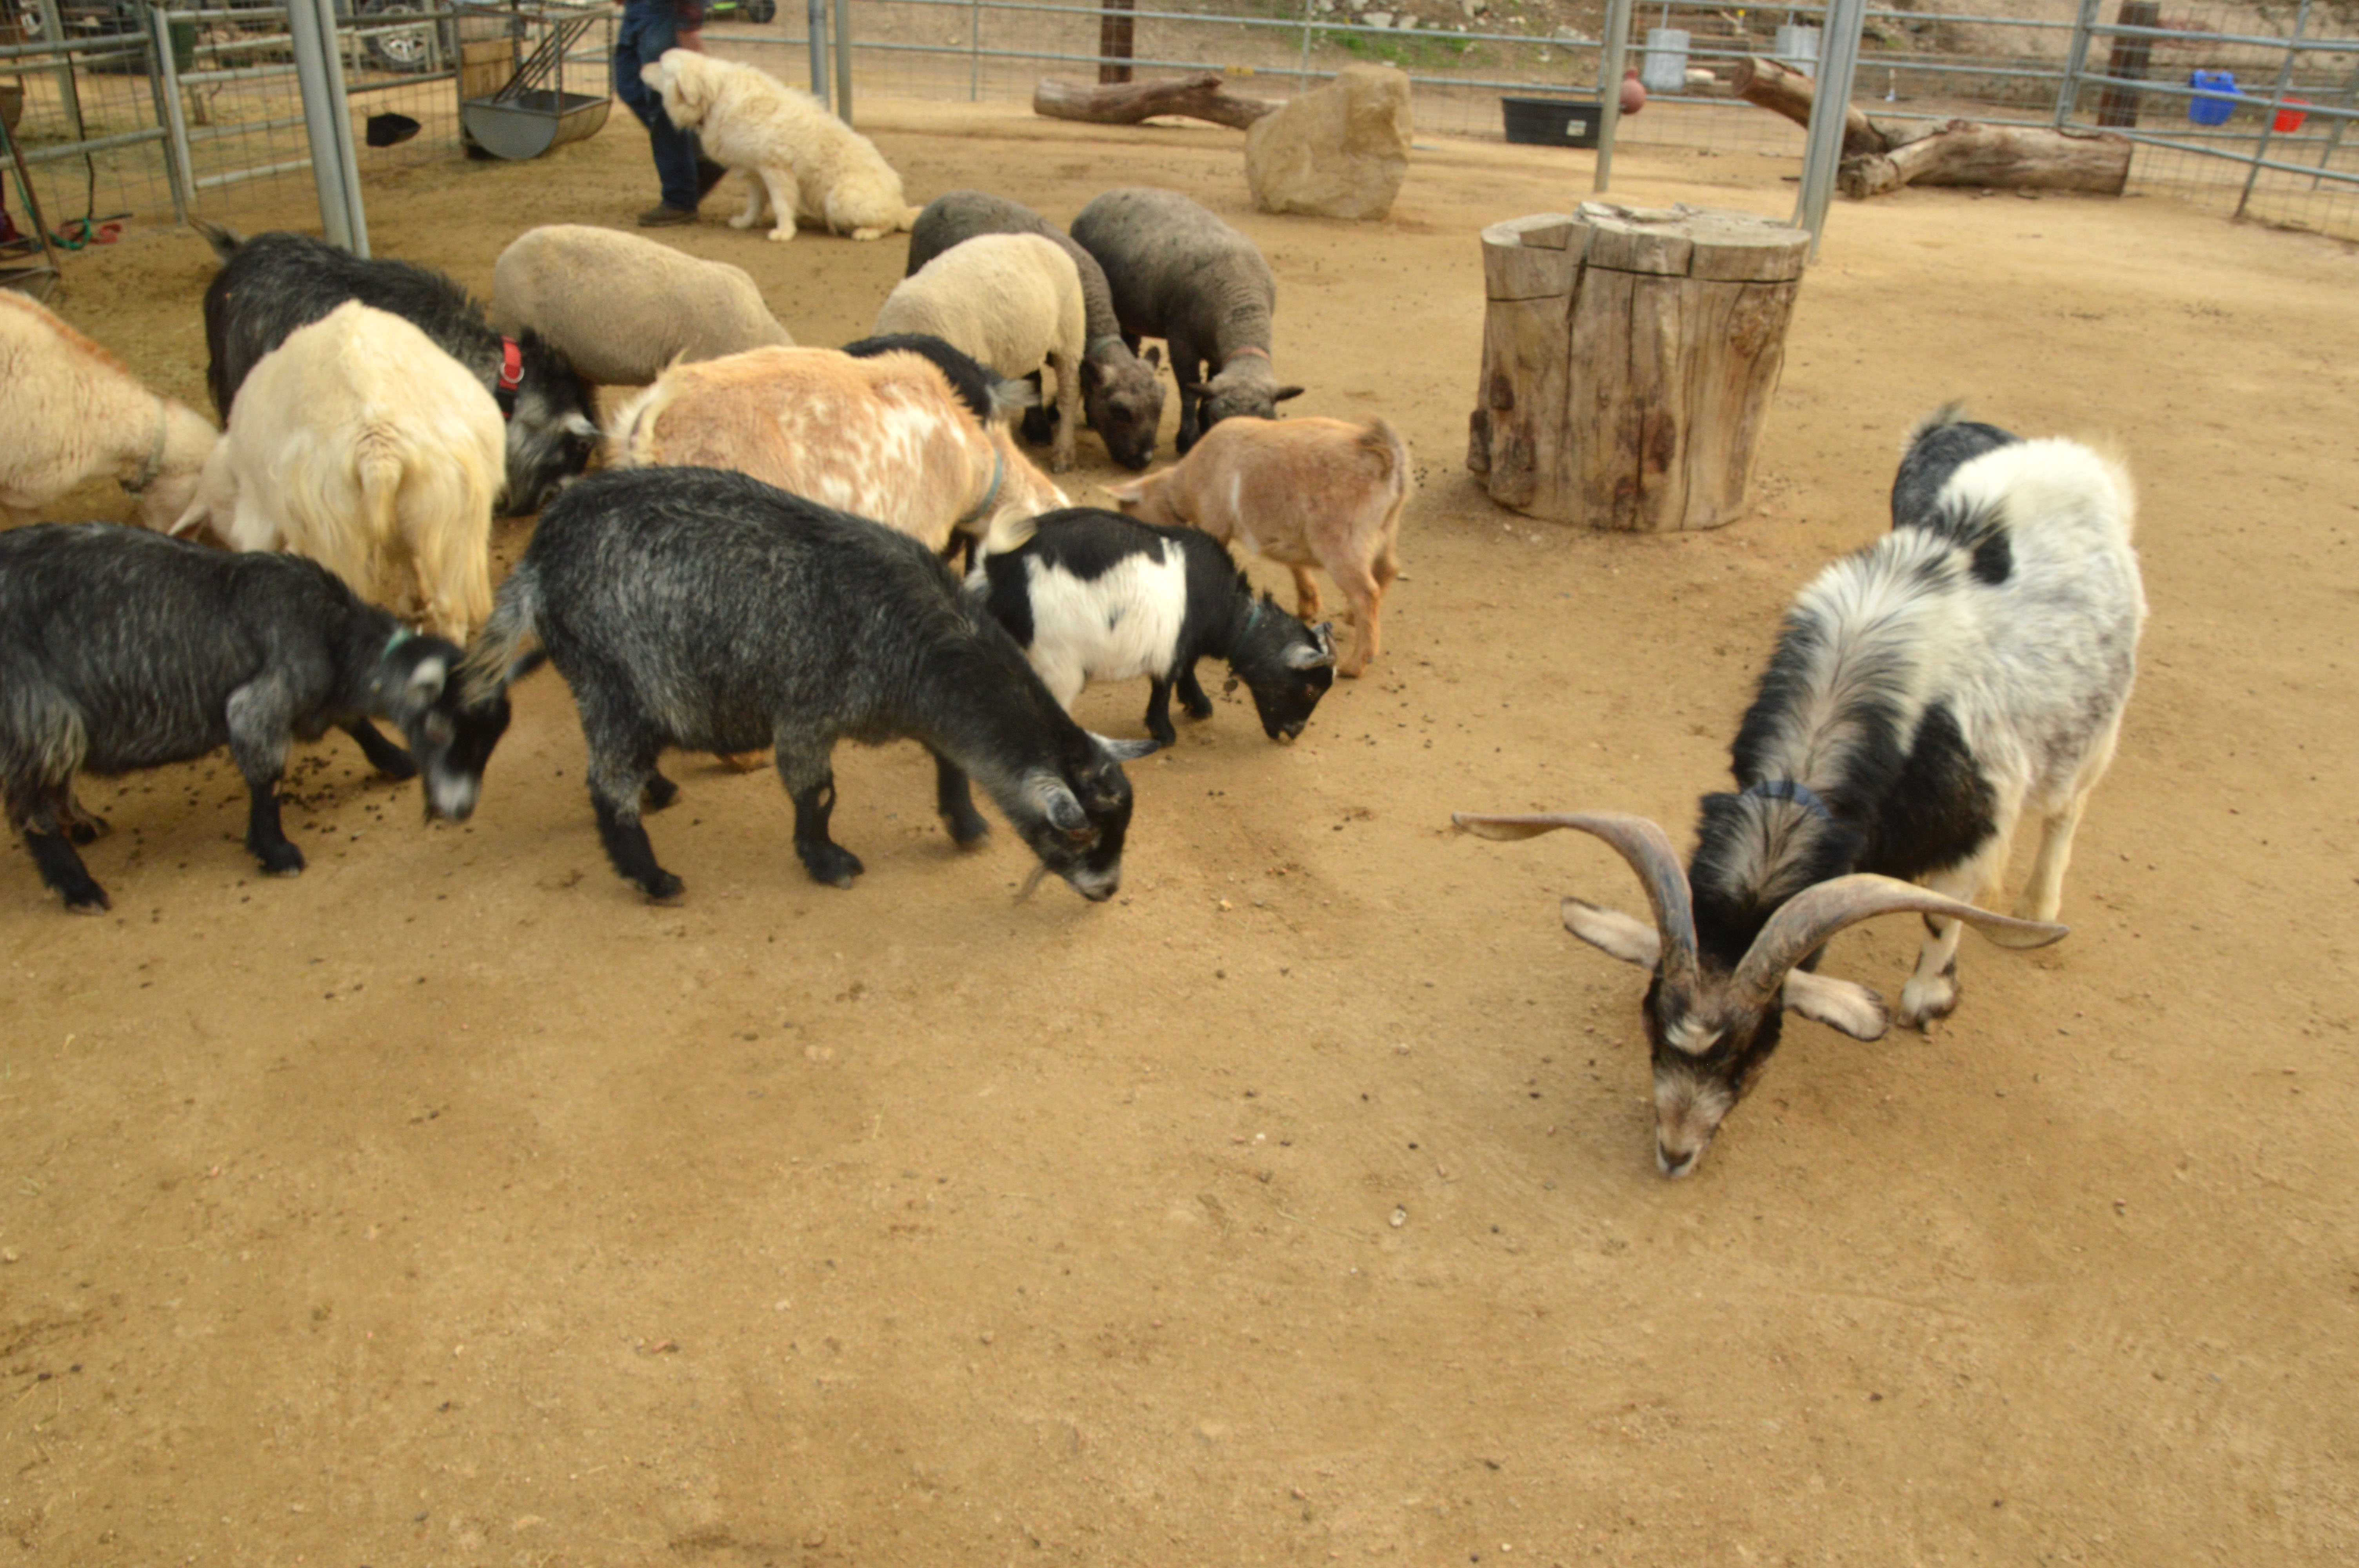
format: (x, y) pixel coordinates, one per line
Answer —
(666, 215)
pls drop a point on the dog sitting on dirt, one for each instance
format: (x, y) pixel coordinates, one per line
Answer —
(793, 152)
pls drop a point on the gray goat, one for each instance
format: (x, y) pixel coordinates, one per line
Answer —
(701, 609)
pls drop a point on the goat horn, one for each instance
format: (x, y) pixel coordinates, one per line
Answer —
(1808, 920)
(1650, 855)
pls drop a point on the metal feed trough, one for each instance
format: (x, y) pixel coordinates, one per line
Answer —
(531, 112)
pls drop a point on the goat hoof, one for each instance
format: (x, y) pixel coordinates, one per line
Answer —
(94, 902)
(280, 860)
(1920, 1004)
(969, 834)
(660, 792)
(831, 864)
(663, 888)
(88, 830)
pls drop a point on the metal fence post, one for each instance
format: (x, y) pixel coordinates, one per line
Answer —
(1838, 64)
(164, 82)
(844, 61)
(69, 95)
(815, 23)
(1609, 88)
(2076, 60)
(2276, 100)
(974, 56)
(327, 121)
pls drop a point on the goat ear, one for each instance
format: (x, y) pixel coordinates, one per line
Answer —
(426, 682)
(1283, 393)
(1316, 654)
(1619, 935)
(1126, 751)
(1131, 492)
(1844, 1006)
(580, 424)
(1064, 811)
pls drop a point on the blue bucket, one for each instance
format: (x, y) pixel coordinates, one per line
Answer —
(2210, 108)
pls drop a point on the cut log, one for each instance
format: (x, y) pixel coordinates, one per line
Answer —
(1629, 359)
(1126, 104)
(1790, 93)
(2007, 157)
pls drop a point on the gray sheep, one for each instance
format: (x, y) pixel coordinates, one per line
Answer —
(1120, 389)
(622, 307)
(1180, 274)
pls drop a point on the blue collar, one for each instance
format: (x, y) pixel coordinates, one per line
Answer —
(1794, 790)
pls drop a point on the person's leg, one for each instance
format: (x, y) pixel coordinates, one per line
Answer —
(648, 28)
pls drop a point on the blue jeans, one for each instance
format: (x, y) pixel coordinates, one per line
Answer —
(650, 28)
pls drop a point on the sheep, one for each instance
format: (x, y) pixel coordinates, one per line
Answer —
(1012, 302)
(804, 160)
(622, 307)
(703, 609)
(1925, 690)
(121, 650)
(884, 438)
(1097, 596)
(1300, 493)
(75, 411)
(1121, 391)
(1180, 274)
(272, 284)
(359, 443)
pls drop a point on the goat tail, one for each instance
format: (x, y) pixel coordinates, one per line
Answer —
(225, 241)
(445, 518)
(1953, 412)
(1009, 398)
(1379, 438)
(509, 646)
(631, 440)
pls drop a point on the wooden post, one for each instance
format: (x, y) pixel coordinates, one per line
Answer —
(1114, 40)
(2128, 60)
(1629, 359)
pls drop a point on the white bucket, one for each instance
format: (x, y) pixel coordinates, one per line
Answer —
(1796, 48)
(1666, 67)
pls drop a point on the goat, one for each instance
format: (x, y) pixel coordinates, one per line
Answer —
(988, 395)
(121, 650)
(1180, 274)
(358, 442)
(703, 609)
(621, 307)
(1121, 392)
(1011, 301)
(272, 284)
(73, 411)
(882, 437)
(1301, 492)
(1097, 596)
(1925, 690)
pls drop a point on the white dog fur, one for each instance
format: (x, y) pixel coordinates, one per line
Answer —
(790, 149)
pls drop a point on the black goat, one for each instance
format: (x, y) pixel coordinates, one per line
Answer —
(1972, 663)
(701, 609)
(272, 284)
(988, 395)
(122, 649)
(1098, 596)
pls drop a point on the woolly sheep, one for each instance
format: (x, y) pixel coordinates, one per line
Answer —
(623, 308)
(1011, 301)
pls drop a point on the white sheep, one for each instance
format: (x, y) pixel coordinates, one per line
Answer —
(361, 444)
(623, 308)
(1011, 301)
(71, 412)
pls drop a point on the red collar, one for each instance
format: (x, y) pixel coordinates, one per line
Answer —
(511, 365)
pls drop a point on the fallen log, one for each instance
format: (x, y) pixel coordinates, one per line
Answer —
(2005, 157)
(1126, 104)
(1790, 93)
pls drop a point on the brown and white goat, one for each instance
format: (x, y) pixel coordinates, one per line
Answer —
(1301, 492)
(882, 437)
(360, 444)
(72, 412)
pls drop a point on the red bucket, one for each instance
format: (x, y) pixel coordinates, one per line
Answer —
(2288, 117)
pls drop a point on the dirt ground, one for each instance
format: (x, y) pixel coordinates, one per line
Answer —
(450, 1204)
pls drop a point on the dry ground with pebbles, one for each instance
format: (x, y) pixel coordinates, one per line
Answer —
(447, 1205)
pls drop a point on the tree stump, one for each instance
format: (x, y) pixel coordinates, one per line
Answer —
(1629, 359)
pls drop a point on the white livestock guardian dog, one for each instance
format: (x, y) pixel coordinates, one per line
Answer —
(789, 148)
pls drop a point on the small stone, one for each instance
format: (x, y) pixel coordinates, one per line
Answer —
(1401, 1217)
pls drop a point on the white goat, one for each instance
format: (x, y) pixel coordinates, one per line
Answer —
(1013, 302)
(72, 412)
(361, 444)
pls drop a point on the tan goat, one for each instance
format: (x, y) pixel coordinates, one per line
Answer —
(1301, 492)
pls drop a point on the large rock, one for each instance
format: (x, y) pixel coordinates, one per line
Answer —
(1339, 151)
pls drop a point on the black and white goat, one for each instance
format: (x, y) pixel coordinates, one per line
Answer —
(701, 609)
(1097, 596)
(121, 650)
(1971, 664)
(270, 284)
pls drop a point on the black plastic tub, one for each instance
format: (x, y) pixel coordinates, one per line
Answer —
(1551, 122)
